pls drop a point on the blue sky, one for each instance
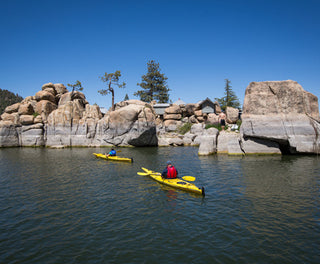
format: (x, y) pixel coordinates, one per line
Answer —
(198, 44)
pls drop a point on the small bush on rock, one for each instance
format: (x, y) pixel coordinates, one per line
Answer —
(216, 126)
(185, 128)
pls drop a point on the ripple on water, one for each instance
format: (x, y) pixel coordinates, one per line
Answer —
(68, 207)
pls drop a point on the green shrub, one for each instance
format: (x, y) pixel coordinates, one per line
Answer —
(35, 114)
(185, 128)
(218, 126)
(8, 98)
(210, 125)
(239, 122)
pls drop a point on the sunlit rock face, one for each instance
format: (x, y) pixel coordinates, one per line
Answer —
(133, 124)
(277, 117)
(282, 112)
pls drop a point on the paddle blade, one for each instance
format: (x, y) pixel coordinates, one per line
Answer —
(142, 173)
(189, 178)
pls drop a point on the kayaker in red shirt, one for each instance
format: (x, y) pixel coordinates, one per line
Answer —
(170, 172)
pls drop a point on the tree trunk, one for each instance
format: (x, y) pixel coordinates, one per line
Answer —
(112, 92)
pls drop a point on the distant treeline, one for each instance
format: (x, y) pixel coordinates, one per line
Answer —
(8, 98)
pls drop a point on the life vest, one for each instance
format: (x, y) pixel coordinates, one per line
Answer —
(113, 153)
(172, 172)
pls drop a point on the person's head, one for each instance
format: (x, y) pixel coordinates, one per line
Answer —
(112, 149)
(169, 163)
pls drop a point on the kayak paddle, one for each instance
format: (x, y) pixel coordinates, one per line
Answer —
(189, 178)
(186, 178)
(144, 173)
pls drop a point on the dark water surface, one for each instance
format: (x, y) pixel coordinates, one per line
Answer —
(66, 206)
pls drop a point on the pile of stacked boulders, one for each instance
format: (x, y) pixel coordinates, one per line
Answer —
(176, 116)
(34, 109)
(26, 123)
(278, 117)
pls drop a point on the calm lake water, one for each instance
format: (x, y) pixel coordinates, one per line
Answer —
(66, 206)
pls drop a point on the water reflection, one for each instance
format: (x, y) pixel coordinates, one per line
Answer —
(67, 206)
(171, 194)
(279, 177)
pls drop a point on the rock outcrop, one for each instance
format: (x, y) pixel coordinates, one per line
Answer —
(23, 124)
(206, 139)
(54, 117)
(176, 116)
(278, 117)
(133, 124)
(73, 123)
(282, 113)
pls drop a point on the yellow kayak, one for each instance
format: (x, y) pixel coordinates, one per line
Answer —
(175, 183)
(115, 158)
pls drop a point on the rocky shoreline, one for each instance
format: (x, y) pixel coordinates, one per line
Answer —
(279, 117)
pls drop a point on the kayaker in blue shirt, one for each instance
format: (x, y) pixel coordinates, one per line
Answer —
(170, 172)
(112, 153)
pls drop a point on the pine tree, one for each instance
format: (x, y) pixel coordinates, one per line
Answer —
(8, 98)
(154, 85)
(111, 79)
(126, 98)
(76, 87)
(230, 98)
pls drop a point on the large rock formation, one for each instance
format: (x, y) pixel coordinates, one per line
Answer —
(281, 112)
(23, 124)
(55, 117)
(133, 124)
(73, 123)
(76, 123)
(278, 117)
